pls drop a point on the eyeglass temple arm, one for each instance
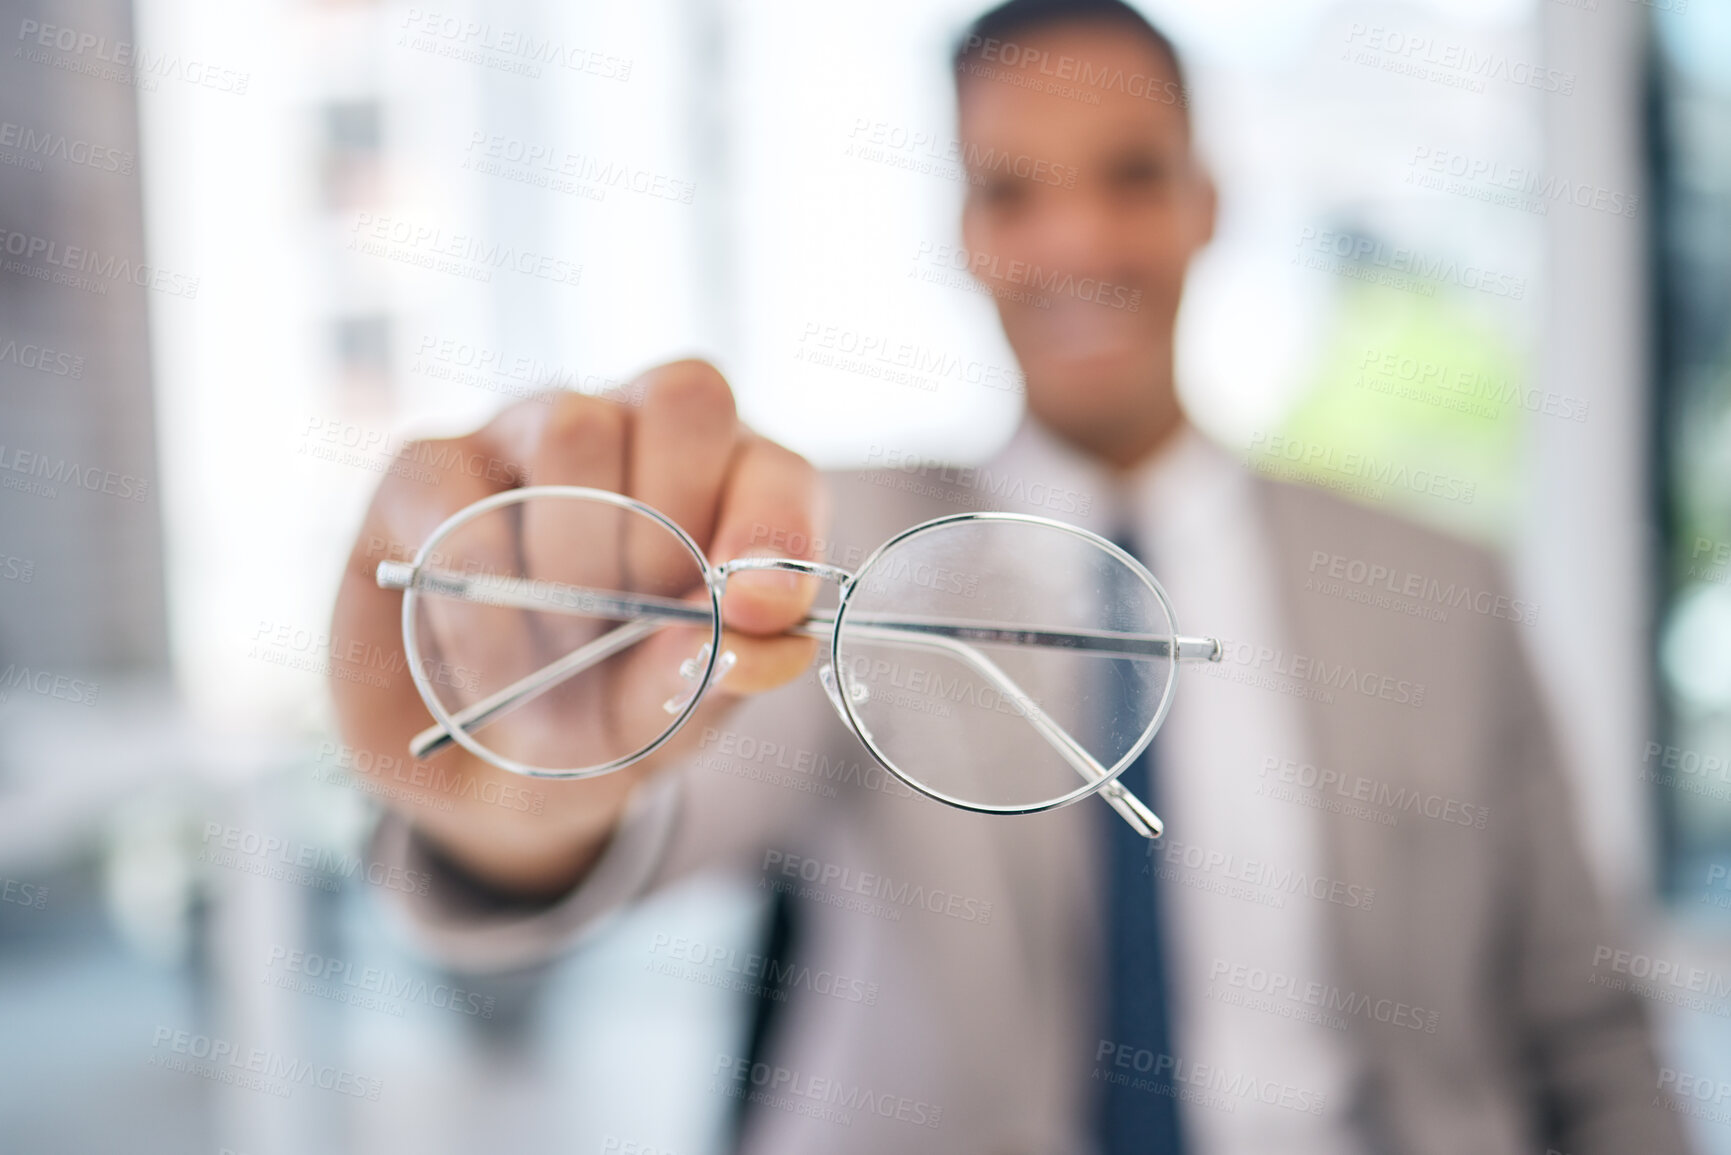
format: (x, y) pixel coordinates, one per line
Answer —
(558, 597)
(1132, 809)
(1129, 807)
(531, 686)
(652, 613)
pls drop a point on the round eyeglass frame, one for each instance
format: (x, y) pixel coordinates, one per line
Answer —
(715, 580)
(460, 734)
(863, 733)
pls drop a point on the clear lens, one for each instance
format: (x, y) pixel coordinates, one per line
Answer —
(566, 631)
(1003, 663)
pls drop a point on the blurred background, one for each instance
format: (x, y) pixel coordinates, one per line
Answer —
(249, 249)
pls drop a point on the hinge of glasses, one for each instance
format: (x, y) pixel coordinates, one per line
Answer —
(396, 575)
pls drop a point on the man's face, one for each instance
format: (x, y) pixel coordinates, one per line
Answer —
(1083, 217)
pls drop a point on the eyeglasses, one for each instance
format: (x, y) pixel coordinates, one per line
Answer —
(566, 632)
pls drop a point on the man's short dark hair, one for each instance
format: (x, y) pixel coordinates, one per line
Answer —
(1015, 18)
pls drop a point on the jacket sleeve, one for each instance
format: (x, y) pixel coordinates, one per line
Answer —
(754, 782)
(1585, 1041)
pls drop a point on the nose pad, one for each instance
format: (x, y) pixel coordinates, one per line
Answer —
(858, 691)
(691, 669)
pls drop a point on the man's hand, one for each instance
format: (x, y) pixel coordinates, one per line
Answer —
(684, 453)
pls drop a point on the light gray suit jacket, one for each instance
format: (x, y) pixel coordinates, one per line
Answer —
(979, 1034)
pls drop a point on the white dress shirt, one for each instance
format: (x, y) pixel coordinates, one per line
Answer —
(1260, 1065)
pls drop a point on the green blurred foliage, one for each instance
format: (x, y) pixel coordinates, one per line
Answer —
(1431, 383)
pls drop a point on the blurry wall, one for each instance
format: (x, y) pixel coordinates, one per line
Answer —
(78, 465)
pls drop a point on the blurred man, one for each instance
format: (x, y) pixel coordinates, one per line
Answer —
(1368, 928)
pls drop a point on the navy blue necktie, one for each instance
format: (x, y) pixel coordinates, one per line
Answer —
(1134, 1060)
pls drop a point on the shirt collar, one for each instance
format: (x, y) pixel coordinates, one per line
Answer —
(1170, 496)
